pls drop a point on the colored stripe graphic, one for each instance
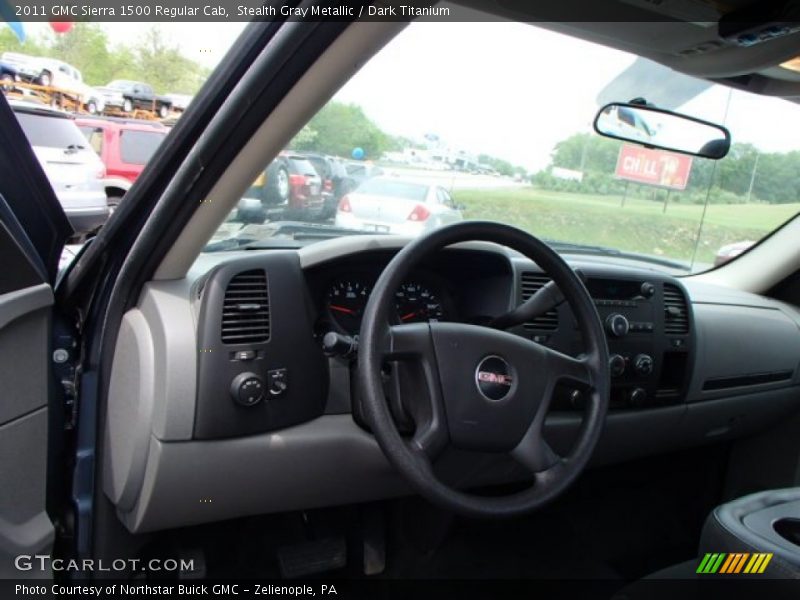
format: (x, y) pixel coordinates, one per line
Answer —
(711, 563)
(734, 563)
(740, 563)
(702, 566)
(728, 562)
(763, 566)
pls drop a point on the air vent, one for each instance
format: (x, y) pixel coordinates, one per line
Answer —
(531, 282)
(245, 310)
(676, 312)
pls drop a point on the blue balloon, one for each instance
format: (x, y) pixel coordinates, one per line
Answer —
(358, 153)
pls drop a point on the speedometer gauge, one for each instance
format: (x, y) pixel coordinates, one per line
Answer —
(345, 303)
(416, 303)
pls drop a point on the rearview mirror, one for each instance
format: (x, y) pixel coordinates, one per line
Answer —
(658, 128)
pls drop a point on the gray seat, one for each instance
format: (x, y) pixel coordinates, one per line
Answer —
(745, 525)
(748, 524)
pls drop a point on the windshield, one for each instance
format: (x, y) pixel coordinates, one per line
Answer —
(50, 132)
(136, 147)
(518, 146)
(301, 166)
(388, 188)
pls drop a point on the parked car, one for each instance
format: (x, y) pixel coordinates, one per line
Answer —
(125, 147)
(131, 95)
(74, 170)
(361, 171)
(8, 73)
(290, 188)
(57, 74)
(391, 205)
(336, 182)
(180, 102)
(27, 66)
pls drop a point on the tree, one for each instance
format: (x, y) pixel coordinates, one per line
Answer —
(304, 138)
(501, 166)
(586, 152)
(86, 47)
(10, 43)
(164, 67)
(341, 127)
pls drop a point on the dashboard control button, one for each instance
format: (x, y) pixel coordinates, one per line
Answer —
(245, 355)
(637, 397)
(277, 382)
(616, 363)
(247, 389)
(643, 364)
(617, 325)
(648, 289)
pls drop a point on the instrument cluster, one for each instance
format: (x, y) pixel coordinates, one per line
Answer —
(421, 298)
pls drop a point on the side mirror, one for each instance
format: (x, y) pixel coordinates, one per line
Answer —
(658, 128)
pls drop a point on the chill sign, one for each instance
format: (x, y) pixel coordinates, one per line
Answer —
(653, 167)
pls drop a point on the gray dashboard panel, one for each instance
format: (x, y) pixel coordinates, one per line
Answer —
(330, 460)
(324, 462)
(167, 309)
(735, 340)
(130, 411)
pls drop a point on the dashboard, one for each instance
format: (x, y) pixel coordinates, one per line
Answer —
(461, 286)
(220, 387)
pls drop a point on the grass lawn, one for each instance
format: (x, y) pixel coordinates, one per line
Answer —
(639, 226)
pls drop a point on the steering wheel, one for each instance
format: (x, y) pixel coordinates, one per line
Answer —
(486, 390)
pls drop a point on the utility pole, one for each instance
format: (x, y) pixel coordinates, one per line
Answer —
(752, 179)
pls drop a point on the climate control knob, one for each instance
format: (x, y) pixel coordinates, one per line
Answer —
(617, 325)
(616, 363)
(643, 364)
(247, 389)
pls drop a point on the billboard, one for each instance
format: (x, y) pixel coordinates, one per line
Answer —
(653, 167)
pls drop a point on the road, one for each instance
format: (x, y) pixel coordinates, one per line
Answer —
(453, 180)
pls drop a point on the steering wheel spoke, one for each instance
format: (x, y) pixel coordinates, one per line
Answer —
(563, 367)
(421, 395)
(407, 342)
(534, 453)
(430, 438)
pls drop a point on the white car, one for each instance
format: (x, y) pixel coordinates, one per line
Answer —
(58, 74)
(392, 205)
(74, 170)
(180, 101)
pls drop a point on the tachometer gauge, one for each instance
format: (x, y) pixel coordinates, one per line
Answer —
(416, 303)
(345, 303)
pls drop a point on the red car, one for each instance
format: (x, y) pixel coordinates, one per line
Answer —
(289, 188)
(124, 146)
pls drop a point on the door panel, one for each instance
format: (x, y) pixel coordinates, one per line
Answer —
(26, 302)
(25, 527)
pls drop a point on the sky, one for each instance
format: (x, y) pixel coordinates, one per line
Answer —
(505, 89)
